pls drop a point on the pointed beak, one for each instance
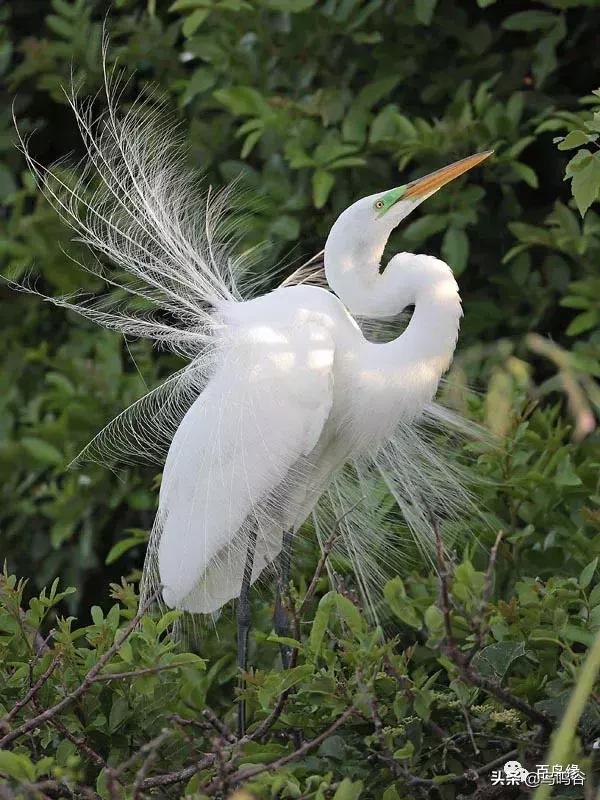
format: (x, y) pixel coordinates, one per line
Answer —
(426, 186)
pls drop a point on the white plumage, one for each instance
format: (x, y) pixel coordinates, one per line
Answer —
(285, 408)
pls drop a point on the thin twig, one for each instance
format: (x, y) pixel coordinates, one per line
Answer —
(325, 552)
(135, 673)
(271, 719)
(462, 661)
(218, 725)
(443, 576)
(488, 584)
(395, 767)
(150, 749)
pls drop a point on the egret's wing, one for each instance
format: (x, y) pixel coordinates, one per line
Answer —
(235, 463)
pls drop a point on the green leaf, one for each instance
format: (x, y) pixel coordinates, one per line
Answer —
(16, 766)
(60, 26)
(249, 143)
(348, 790)
(406, 751)
(201, 81)
(424, 227)
(587, 573)
(384, 126)
(580, 160)
(293, 6)
(118, 713)
(395, 595)
(242, 100)
(188, 5)
(167, 620)
(525, 172)
(350, 614)
(565, 474)
(286, 227)
(193, 21)
(574, 633)
(583, 322)
(434, 619)
(321, 621)
(118, 549)
(585, 183)
(322, 183)
(495, 660)
(7, 182)
(373, 92)
(529, 21)
(573, 139)
(455, 249)
(42, 451)
(287, 640)
(424, 10)
(594, 598)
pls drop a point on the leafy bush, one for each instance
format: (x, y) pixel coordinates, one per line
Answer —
(315, 104)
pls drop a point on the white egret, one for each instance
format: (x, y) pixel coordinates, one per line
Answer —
(284, 403)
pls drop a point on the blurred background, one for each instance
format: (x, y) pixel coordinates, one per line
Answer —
(316, 104)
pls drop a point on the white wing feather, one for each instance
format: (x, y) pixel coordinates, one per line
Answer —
(235, 461)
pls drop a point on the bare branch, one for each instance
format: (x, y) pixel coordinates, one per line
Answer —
(462, 661)
(179, 776)
(325, 552)
(135, 673)
(488, 584)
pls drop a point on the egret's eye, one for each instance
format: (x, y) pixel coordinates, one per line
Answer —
(379, 204)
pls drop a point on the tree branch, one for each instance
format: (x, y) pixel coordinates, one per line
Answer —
(462, 661)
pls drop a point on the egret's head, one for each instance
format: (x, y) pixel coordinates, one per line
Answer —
(367, 224)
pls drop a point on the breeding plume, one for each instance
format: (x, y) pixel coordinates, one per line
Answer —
(285, 409)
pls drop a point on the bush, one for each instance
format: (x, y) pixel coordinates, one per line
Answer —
(315, 104)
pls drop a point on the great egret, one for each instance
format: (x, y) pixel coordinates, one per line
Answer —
(284, 403)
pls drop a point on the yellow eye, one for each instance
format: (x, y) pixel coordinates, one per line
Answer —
(379, 204)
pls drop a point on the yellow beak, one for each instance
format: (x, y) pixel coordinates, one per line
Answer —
(426, 186)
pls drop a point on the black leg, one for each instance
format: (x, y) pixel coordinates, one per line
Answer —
(243, 627)
(281, 621)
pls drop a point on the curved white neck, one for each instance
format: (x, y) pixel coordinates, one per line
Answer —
(419, 280)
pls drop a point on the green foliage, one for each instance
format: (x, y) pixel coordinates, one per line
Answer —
(315, 104)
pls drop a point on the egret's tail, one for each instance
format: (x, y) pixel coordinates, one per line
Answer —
(159, 239)
(134, 203)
